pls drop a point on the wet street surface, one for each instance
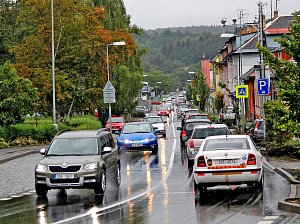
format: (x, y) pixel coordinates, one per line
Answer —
(154, 189)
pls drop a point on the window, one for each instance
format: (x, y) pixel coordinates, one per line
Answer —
(226, 144)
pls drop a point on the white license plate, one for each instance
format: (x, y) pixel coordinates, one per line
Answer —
(137, 145)
(226, 162)
(64, 176)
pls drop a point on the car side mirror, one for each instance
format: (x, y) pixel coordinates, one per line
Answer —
(185, 139)
(179, 128)
(43, 151)
(261, 149)
(106, 150)
(117, 133)
(156, 131)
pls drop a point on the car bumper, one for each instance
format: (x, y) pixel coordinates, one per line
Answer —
(137, 146)
(227, 177)
(81, 180)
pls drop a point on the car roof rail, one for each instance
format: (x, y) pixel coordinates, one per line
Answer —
(101, 130)
(60, 132)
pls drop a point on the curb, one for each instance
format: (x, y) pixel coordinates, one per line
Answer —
(18, 155)
(286, 204)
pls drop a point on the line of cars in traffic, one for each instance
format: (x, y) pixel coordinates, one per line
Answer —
(217, 157)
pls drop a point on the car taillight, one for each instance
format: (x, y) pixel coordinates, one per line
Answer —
(256, 128)
(201, 161)
(251, 159)
(191, 144)
(183, 134)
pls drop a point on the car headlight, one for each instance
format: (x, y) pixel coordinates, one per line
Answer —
(91, 166)
(121, 140)
(151, 139)
(127, 141)
(41, 168)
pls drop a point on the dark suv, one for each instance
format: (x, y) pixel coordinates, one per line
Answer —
(78, 159)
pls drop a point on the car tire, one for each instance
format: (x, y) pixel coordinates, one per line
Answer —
(199, 188)
(190, 163)
(117, 177)
(155, 150)
(260, 184)
(41, 190)
(101, 186)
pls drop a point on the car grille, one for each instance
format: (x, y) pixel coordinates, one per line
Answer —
(64, 181)
(62, 169)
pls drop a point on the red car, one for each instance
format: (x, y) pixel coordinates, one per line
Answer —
(154, 102)
(117, 124)
(163, 111)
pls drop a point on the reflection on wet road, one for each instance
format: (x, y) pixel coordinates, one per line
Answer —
(150, 193)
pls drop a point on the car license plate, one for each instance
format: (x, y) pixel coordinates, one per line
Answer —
(226, 162)
(137, 145)
(64, 176)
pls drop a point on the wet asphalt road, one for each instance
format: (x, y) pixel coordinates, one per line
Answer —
(154, 189)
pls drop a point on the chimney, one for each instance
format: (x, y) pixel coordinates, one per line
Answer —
(276, 14)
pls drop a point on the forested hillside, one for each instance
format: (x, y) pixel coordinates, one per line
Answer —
(172, 48)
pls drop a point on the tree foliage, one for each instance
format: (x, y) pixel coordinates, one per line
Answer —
(17, 96)
(288, 74)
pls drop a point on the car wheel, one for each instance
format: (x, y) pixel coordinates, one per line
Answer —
(41, 190)
(117, 179)
(101, 187)
(199, 188)
(155, 150)
(260, 184)
(190, 163)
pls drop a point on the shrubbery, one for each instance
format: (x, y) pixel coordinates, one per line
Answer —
(30, 134)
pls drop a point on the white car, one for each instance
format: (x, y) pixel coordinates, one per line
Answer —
(157, 123)
(228, 160)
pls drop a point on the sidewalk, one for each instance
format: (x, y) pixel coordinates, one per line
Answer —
(287, 168)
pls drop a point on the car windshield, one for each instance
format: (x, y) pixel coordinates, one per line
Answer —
(137, 128)
(202, 133)
(117, 120)
(73, 146)
(154, 119)
(191, 112)
(226, 144)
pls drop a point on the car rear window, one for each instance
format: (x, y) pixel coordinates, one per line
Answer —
(154, 119)
(202, 133)
(190, 126)
(226, 144)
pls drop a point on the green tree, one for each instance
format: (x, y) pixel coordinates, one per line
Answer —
(17, 96)
(288, 72)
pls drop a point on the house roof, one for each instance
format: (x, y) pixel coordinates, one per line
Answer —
(280, 25)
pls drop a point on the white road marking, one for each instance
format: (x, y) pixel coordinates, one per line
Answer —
(265, 222)
(5, 199)
(271, 217)
(94, 211)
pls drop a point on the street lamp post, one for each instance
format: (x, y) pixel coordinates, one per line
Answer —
(53, 66)
(121, 43)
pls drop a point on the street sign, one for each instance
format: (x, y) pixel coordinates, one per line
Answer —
(109, 93)
(242, 91)
(263, 87)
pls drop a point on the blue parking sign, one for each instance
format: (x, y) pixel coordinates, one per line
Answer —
(263, 87)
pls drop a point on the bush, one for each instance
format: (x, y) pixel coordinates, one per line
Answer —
(290, 148)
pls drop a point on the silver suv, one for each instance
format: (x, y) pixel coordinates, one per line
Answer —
(198, 135)
(78, 159)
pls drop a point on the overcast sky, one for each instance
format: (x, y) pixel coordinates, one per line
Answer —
(152, 14)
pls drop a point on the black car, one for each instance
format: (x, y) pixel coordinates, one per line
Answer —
(78, 159)
(188, 127)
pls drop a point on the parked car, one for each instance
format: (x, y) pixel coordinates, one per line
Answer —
(257, 130)
(157, 123)
(188, 128)
(117, 123)
(226, 160)
(138, 136)
(200, 132)
(78, 159)
(163, 111)
(229, 114)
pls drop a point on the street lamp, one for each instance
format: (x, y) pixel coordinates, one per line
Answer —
(121, 43)
(53, 66)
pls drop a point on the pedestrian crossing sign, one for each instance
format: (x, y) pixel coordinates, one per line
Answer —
(242, 91)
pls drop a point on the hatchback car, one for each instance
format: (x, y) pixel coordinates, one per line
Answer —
(78, 159)
(163, 111)
(117, 123)
(257, 130)
(157, 123)
(198, 135)
(138, 136)
(228, 160)
(188, 128)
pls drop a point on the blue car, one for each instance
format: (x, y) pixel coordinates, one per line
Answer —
(137, 136)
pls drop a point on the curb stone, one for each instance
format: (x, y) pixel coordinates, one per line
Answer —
(18, 155)
(286, 204)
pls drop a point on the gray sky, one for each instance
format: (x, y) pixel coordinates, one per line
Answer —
(152, 14)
